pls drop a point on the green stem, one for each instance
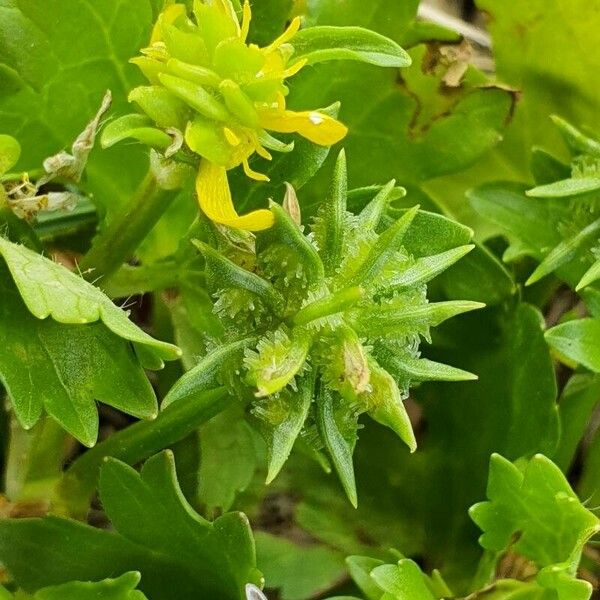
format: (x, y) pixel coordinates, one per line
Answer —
(115, 244)
(35, 459)
(134, 444)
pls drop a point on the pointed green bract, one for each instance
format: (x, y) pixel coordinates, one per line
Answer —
(341, 307)
(339, 446)
(334, 215)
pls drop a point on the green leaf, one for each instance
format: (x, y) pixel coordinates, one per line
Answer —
(577, 402)
(62, 369)
(157, 533)
(511, 407)
(323, 43)
(54, 77)
(227, 460)
(403, 581)
(578, 340)
(10, 150)
(49, 289)
(296, 570)
(524, 502)
(121, 588)
(534, 53)
(566, 251)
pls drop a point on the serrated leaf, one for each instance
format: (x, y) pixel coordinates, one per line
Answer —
(157, 533)
(524, 503)
(578, 340)
(323, 43)
(63, 369)
(50, 290)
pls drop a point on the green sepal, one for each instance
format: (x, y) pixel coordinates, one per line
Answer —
(205, 375)
(224, 272)
(324, 43)
(196, 97)
(193, 73)
(338, 447)
(426, 268)
(334, 216)
(387, 407)
(384, 320)
(565, 188)
(285, 231)
(10, 150)
(370, 215)
(161, 106)
(575, 139)
(423, 369)
(281, 436)
(384, 250)
(137, 127)
(238, 103)
(565, 252)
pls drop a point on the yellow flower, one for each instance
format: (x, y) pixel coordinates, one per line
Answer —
(225, 95)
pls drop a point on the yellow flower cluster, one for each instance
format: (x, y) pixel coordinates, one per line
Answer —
(225, 95)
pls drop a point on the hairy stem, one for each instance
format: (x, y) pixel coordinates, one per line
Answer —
(115, 244)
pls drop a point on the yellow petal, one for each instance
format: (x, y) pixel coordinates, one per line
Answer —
(314, 126)
(215, 201)
(291, 71)
(253, 174)
(286, 36)
(166, 17)
(246, 18)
